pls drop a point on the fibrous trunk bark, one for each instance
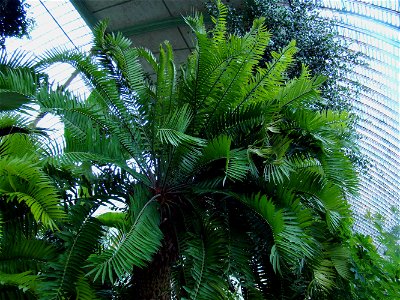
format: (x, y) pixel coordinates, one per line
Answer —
(154, 280)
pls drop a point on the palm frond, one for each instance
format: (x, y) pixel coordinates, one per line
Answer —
(324, 277)
(173, 128)
(84, 290)
(16, 59)
(17, 87)
(242, 123)
(265, 84)
(24, 281)
(25, 182)
(19, 254)
(234, 162)
(112, 219)
(219, 30)
(204, 256)
(166, 84)
(62, 276)
(292, 243)
(149, 57)
(340, 257)
(136, 244)
(300, 92)
(220, 66)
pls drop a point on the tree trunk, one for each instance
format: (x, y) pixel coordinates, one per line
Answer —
(154, 280)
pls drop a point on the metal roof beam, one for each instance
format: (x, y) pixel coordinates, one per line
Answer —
(156, 25)
(152, 26)
(85, 13)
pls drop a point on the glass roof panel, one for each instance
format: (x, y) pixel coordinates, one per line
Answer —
(372, 26)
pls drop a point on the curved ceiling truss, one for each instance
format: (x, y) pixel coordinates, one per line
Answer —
(373, 27)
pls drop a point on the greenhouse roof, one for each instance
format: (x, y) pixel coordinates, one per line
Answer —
(146, 23)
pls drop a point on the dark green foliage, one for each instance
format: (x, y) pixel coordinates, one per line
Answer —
(13, 20)
(64, 277)
(133, 243)
(376, 265)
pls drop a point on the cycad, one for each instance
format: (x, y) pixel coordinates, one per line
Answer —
(223, 142)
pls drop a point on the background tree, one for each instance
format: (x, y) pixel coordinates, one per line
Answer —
(13, 20)
(376, 264)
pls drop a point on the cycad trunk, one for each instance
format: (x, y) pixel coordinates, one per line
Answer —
(154, 281)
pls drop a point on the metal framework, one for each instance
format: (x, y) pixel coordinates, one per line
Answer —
(373, 27)
(57, 24)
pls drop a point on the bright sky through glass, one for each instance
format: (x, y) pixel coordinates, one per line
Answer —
(373, 27)
(57, 24)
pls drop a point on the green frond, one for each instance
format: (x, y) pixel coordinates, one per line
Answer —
(235, 70)
(234, 162)
(116, 41)
(105, 86)
(148, 57)
(265, 85)
(292, 243)
(176, 138)
(18, 136)
(166, 83)
(340, 171)
(15, 59)
(217, 148)
(304, 163)
(24, 281)
(238, 165)
(337, 209)
(277, 171)
(340, 257)
(323, 277)
(204, 258)
(300, 92)
(239, 124)
(16, 88)
(196, 23)
(18, 254)
(84, 291)
(136, 244)
(219, 30)
(112, 219)
(81, 238)
(326, 198)
(25, 182)
(99, 32)
(221, 66)
(326, 129)
(173, 129)
(126, 61)
(22, 146)
(84, 123)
